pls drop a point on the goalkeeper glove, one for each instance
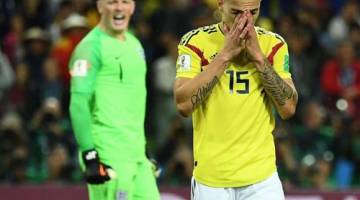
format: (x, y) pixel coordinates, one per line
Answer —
(96, 172)
(154, 165)
(155, 168)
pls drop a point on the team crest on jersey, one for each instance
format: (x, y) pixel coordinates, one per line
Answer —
(80, 68)
(184, 62)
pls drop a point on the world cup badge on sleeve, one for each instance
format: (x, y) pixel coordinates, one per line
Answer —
(80, 68)
(184, 62)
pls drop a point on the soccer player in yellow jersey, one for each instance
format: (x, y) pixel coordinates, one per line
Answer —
(232, 77)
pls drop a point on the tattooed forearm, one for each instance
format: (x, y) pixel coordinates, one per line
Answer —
(203, 92)
(276, 87)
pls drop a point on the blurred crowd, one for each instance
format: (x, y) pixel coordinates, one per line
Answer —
(318, 148)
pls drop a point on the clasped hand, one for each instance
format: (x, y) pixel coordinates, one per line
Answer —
(241, 39)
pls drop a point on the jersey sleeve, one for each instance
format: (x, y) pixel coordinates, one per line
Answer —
(188, 63)
(279, 58)
(83, 66)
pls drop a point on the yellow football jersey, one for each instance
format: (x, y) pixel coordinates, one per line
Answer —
(233, 141)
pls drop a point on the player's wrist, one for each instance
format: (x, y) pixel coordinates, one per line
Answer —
(223, 59)
(259, 61)
(224, 56)
(90, 156)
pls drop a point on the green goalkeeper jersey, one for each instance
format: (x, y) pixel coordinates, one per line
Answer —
(111, 73)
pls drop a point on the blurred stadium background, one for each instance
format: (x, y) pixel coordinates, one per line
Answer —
(318, 150)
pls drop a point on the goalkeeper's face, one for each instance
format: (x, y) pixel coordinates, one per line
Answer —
(231, 8)
(115, 14)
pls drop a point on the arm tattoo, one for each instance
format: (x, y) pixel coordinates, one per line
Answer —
(203, 92)
(275, 86)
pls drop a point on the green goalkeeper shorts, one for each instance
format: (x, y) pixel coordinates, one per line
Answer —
(134, 181)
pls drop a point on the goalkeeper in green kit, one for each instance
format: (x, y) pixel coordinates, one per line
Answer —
(107, 108)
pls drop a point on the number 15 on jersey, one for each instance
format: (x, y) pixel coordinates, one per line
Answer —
(239, 80)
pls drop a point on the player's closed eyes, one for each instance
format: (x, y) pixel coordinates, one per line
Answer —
(111, 2)
(253, 12)
(236, 12)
